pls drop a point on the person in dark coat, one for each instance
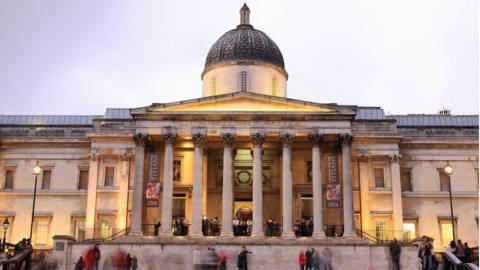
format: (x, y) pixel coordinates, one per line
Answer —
(395, 250)
(96, 256)
(80, 265)
(242, 262)
(309, 259)
(468, 253)
(134, 263)
(128, 262)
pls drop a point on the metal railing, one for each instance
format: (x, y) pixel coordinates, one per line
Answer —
(22, 257)
(451, 262)
(272, 230)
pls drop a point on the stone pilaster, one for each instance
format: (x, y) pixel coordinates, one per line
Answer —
(123, 191)
(257, 228)
(166, 223)
(316, 140)
(287, 193)
(137, 206)
(198, 141)
(348, 226)
(91, 196)
(396, 196)
(227, 196)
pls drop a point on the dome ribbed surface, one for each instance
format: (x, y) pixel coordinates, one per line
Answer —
(243, 44)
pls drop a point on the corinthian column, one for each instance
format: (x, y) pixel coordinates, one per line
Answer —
(166, 226)
(348, 227)
(198, 141)
(257, 228)
(317, 139)
(396, 196)
(287, 140)
(227, 200)
(136, 227)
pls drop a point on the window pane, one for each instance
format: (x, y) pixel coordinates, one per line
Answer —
(106, 229)
(79, 229)
(9, 175)
(443, 181)
(307, 207)
(379, 182)
(46, 176)
(243, 81)
(41, 231)
(447, 233)
(109, 173)
(83, 179)
(406, 181)
(409, 232)
(381, 230)
(178, 207)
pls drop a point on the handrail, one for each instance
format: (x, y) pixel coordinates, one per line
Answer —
(451, 262)
(17, 259)
(368, 236)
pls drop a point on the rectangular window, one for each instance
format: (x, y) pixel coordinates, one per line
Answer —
(46, 177)
(109, 176)
(78, 228)
(406, 179)
(178, 205)
(444, 185)
(105, 226)
(446, 232)
(381, 230)
(9, 175)
(409, 231)
(83, 180)
(177, 170)
(379, 178)
(42, 227)
(307, 206)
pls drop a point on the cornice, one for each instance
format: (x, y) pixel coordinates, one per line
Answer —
(232, 116)
(376, 140)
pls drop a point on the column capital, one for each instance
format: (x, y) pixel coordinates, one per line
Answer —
(287, 139)
(258, 139)
(315, 138)
(199, 139)
(395, 158)
(228, 139)
(141, 139)
(169, 138)
(346, 139)
(94, 157)
(126, 156)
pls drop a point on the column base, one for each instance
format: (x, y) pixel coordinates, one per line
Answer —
(319, 235)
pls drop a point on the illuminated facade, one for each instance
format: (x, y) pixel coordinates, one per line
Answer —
(244, 149)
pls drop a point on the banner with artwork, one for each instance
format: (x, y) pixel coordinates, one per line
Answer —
(152, 192)
(333, 187)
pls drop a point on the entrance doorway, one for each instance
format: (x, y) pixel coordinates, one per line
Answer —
(243, 210)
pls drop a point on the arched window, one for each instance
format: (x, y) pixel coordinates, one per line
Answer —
(213, 85)
(274, 86)
(243, 81)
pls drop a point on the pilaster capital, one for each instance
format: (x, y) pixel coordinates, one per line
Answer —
(395, 158)
(140, 139)
(126, 156)
(315, 138)
(94, 157)
(199, 139)
(258, 139)
(228, 139)
(287, 139)
(169, 138)
(346, 139)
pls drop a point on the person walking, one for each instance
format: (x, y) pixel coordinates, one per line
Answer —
(156, 226)
(426, 254)
(96, 256)
(134, 263)
(316, 260)
(309, 259)
(242, 262)
(395, 250)
(128, 262)
(301, 260)
(468, 253)
(80, 265)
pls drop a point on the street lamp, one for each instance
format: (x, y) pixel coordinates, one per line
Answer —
(36, 172)
(5, 228)
(448, 170)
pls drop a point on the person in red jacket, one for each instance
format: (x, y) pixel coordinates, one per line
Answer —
(302, 259)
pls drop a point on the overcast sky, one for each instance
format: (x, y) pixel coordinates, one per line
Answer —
(82, 56)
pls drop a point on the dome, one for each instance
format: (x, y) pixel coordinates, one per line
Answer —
(245, 44)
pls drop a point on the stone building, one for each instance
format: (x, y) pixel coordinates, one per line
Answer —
(243, 149)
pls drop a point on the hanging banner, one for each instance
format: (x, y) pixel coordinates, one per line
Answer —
(152, 193)
(333, 187)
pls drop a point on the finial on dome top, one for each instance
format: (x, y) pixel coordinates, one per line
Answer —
(244, 14)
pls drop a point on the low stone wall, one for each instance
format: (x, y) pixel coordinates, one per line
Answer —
(266, 254)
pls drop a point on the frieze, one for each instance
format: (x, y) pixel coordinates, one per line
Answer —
(376, 140)
(45, 144)
(242, 117)
(439, 145)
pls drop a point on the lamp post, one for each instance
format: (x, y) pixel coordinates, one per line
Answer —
(36, 172)
(5, 228)
(449, 171)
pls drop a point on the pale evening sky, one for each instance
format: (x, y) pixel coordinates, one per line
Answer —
(82, 56)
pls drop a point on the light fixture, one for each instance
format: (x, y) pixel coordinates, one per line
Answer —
(37, 169)
(6, 224)
(448, 169)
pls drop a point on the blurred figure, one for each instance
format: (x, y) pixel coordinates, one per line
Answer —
(128, 262)
(460, 251)
(468, 253)
(242, 262)
(301, 260)
(222, 260)
(80, 265)
(395, 250)
(134, 263)
(316, 260)
(156, 226)
(309, 259)
(452, 247)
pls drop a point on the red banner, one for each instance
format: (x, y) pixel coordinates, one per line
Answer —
(152, 192)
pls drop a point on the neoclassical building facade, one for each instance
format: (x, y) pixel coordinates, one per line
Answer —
(244, 149)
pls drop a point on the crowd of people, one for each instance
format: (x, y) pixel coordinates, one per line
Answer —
(242, 227)
(119, 260)
(303, 227)
(180, 227)
(461, 250)
(312, 260)
(210, 227)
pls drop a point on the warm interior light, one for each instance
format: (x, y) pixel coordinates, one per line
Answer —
(37, 169)
(448, 169)
(5, 224)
